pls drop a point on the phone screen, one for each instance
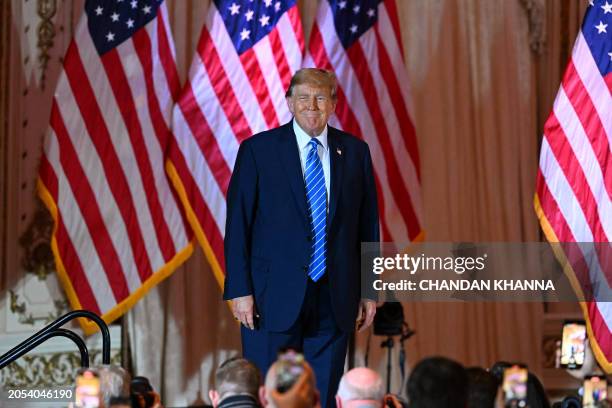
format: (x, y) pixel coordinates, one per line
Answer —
(572, 345)
(595, 391)
(515, 386)
(87, 390)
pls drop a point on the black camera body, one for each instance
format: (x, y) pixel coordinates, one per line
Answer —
(389, 319)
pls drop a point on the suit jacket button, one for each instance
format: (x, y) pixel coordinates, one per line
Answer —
(305, 268)
(309, 238)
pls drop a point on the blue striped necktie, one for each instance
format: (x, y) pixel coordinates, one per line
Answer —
(316, 194)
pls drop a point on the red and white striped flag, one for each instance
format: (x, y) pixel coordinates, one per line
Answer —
(360, 41)
(247, 53)
(574, 185)
(119, 228)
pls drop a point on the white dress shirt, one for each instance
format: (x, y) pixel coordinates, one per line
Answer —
(303, 139)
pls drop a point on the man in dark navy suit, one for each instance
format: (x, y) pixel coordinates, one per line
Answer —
(301, 200)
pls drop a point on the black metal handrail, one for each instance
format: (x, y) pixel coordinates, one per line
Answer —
(56, 333)
(54, 329)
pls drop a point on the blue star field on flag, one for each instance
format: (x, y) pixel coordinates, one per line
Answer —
(111, 22)
(248, 21)
(597, 31)
(352, 18)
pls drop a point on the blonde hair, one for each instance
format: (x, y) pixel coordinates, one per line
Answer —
(314, 76)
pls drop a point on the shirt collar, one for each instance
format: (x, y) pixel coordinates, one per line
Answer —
(304, 138)
(231, 399)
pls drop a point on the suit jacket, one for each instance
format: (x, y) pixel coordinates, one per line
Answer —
(268, 234)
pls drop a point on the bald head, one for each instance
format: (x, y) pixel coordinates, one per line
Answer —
(360, 387)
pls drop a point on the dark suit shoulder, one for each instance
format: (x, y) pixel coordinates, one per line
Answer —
(267, 137)
(347, 139)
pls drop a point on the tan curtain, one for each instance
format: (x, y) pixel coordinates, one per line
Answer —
(473, 77)
(480, 96)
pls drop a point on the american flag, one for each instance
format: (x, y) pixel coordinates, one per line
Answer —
(574, 183)
(246, 56)
(360, 41)
(119, 228)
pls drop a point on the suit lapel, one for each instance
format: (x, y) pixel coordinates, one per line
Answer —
(290, 158)
(336, 162)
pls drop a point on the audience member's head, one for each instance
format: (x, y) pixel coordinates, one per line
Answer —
(235, 377)
(120, 402)
(438, 382)
(483, 388)
(303, 394)
(536, 396)
(497, 370)
(360, 387)
(114, 382)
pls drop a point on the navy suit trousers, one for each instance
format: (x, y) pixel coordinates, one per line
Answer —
(315, 333)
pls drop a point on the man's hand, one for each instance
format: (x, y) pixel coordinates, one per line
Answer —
(243, 310)
(391, 400)
(365, 315)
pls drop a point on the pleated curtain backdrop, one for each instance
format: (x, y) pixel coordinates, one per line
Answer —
(481, 90)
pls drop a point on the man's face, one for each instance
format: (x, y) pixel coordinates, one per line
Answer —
(312, 106)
